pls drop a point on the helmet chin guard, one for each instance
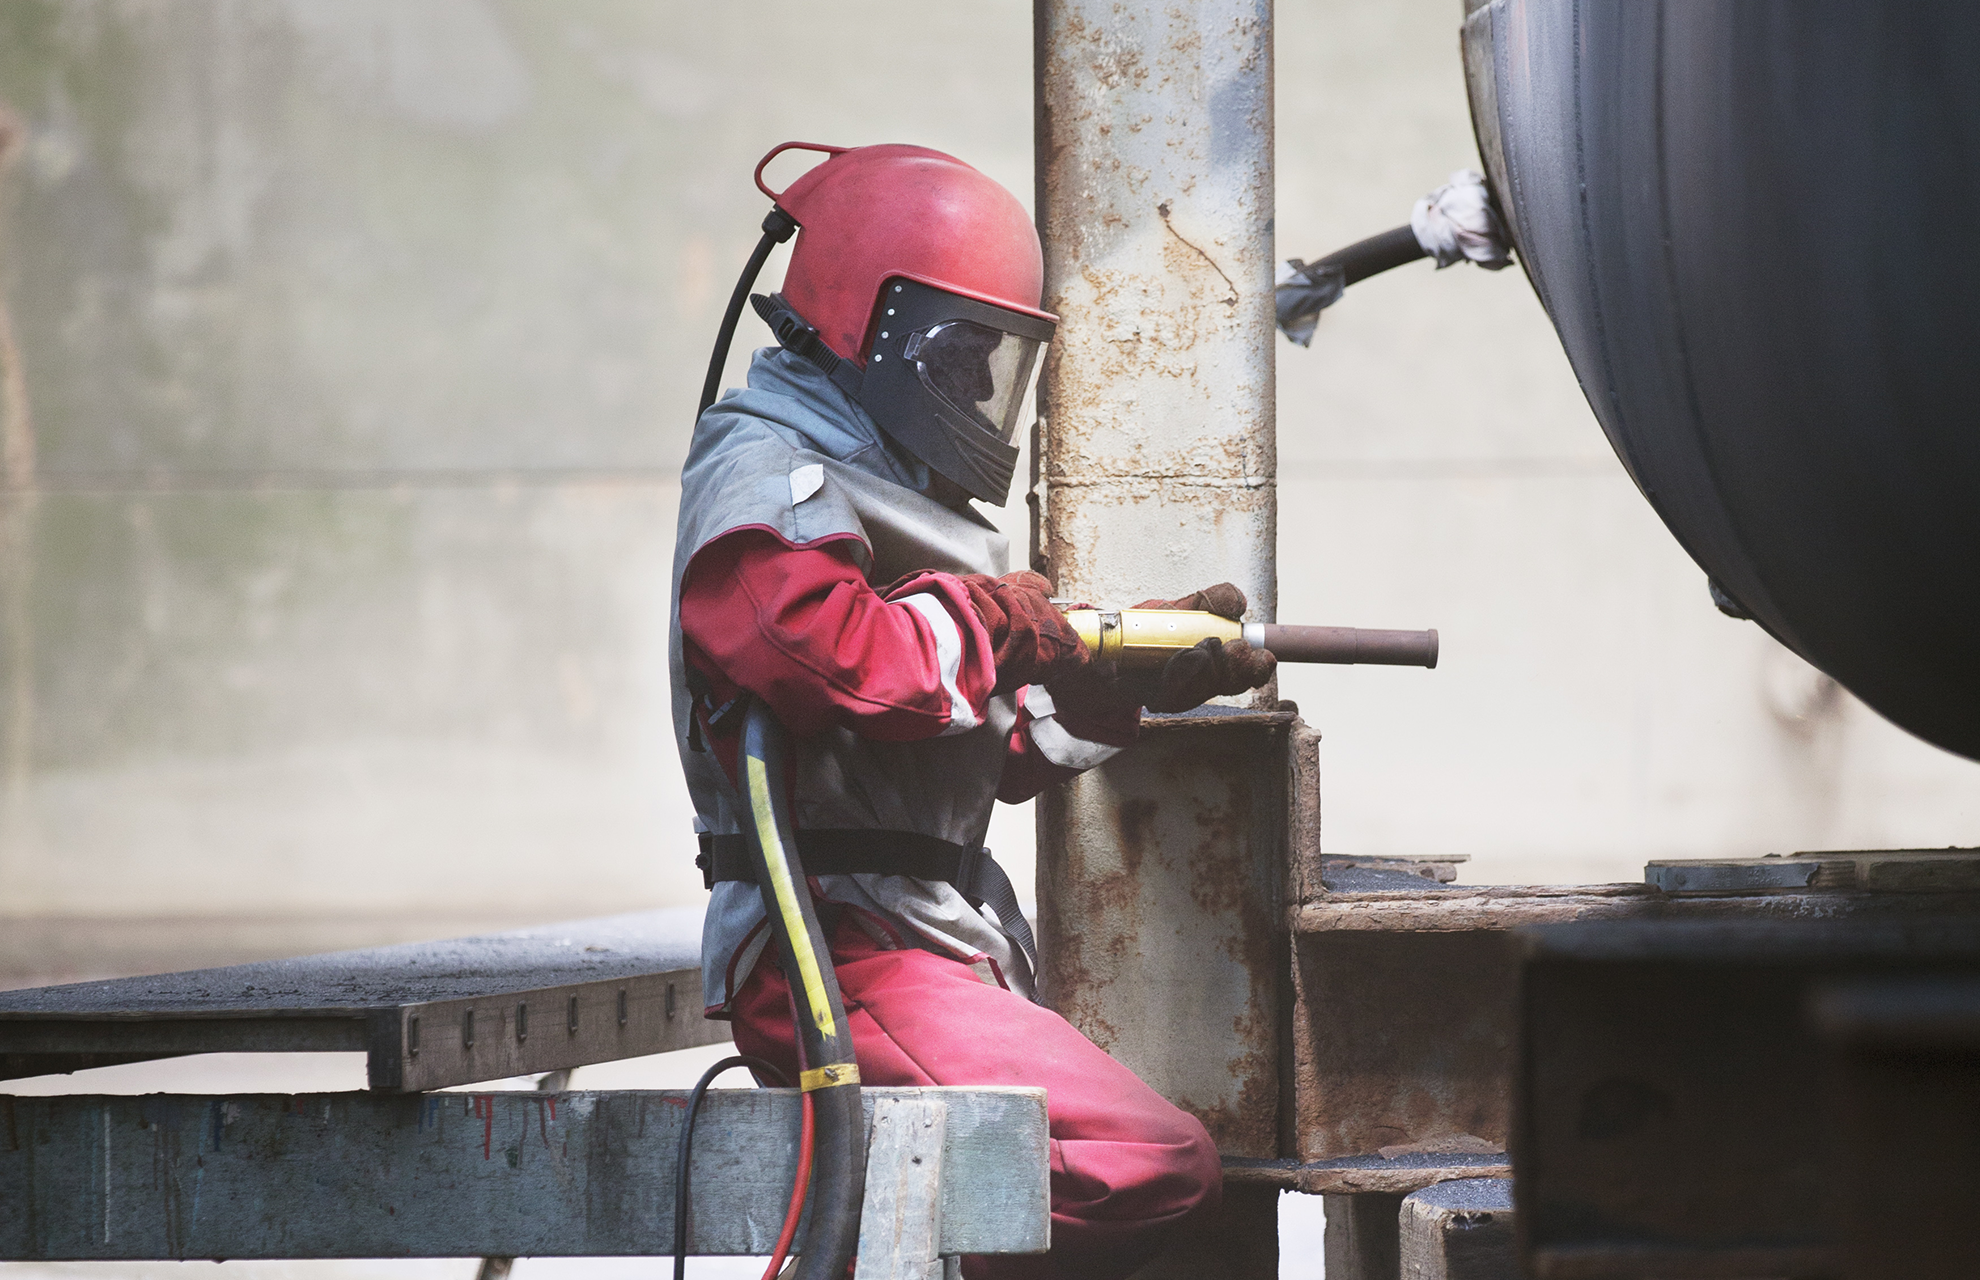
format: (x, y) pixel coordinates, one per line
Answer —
(946, 377)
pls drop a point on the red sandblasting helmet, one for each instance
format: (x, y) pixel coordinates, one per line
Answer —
(915, 284)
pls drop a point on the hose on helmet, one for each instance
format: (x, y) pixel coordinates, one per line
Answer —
(827, 1072)
(777, 228)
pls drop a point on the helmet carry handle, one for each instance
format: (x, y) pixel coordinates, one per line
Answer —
(824, 149)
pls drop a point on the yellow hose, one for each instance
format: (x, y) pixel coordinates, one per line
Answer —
(786, 894)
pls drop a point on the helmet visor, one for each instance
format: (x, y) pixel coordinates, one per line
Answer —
(980, 372)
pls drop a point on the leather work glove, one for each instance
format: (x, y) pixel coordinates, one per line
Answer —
(1213, 669)
(1032, 642)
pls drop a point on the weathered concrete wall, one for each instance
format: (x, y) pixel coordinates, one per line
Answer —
(352, 347)
(352, 351)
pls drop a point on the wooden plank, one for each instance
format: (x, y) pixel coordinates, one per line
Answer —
(900, 1227)
(1369, 1174)
(427, 1014)
(521, 1174)
(1867, 870)
(1459, 1231)
(442, 1043)
(1919, 873)
(1361, 1240)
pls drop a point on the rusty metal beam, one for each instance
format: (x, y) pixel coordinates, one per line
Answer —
(1674, 1115)
(1903, 1064)
(1165, 919)
(1406, 1014)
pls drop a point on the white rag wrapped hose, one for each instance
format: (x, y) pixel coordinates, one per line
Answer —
(1455, 223)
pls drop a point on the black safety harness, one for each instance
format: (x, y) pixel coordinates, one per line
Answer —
(838, 852)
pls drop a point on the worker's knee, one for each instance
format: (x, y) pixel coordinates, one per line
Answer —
(1156, 1165)
(1206, 1169)
(1196, 1178)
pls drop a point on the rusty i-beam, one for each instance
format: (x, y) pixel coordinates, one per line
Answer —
(1161, 875)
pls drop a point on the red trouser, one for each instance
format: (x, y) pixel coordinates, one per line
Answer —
(1125, 1162)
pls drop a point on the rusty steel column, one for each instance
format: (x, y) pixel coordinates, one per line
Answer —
(1161, 875)
(1157, 453)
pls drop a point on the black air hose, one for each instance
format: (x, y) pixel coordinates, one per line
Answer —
(684, 1149)
(825, 1047)
(1376, 254)
(777, 228)
(1317, 285)
(1458, 222)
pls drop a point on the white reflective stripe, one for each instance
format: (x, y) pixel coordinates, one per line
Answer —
(1064, 750)
(1038, 701)
(949, 652)
(806, 481)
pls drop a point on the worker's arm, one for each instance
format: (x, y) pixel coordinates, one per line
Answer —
(801, 628)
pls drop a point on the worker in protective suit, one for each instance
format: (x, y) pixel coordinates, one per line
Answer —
(830, 563)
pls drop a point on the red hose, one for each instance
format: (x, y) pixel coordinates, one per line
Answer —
(798, 1189)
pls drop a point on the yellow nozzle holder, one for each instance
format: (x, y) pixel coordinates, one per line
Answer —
(1147, 638)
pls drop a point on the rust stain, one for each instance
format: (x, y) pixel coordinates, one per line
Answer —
(1401, 1039)
(1134, 823)
(1106, 898)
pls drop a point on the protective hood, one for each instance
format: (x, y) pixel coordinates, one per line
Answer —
(790, 391)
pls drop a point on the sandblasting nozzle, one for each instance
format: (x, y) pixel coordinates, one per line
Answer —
(1146, 638)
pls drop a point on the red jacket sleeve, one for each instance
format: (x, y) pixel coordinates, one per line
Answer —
(801, 628)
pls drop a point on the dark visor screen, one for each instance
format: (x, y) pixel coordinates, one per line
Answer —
(978, 371)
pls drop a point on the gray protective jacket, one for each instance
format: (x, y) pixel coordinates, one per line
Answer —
(792, 454)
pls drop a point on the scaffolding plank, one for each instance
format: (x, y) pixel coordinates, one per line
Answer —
(511, 1174)
(427, 1014)
(900, 1225)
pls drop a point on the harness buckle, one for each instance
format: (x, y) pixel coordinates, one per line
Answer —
(969, 875)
